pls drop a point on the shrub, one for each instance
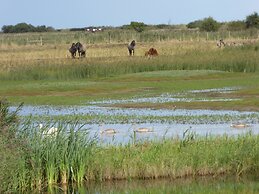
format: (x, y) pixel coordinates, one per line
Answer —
(209, 25)
(252, 21)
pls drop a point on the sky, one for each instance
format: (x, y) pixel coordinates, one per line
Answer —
(82, 13)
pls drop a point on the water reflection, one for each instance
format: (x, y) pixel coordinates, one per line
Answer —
(184, 185)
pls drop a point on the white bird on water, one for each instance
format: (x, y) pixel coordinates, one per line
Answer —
(108, 131)
(240, 125)
(143, 130)
(49, 132)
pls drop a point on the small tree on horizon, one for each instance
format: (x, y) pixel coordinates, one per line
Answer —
(209, 25)
(252, 20)
(138, 26)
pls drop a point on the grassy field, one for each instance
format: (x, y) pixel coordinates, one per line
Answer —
(46, 74)
(148, 84)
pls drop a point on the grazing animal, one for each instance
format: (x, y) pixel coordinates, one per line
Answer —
(81, 50)
(73, 50)
(77, 47)
(221, 43)
(131, 47)
(152, 52)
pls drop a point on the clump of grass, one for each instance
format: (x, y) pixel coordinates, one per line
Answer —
(11, 148)
(62, 157)
(179, 158)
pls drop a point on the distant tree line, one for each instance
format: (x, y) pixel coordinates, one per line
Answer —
(207, 24)
(24, 27)
(211, 25)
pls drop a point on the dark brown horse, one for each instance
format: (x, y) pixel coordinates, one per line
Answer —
(73, 50)
(131, 47)
(81, 50)
(77, 47)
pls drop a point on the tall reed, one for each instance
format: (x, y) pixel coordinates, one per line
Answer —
(61, 157)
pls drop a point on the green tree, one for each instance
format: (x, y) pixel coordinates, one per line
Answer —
(209, 25)
(236, 25)
(8, 28)
(195, 24)
(252, 20)
(138, 26)
(23, 27)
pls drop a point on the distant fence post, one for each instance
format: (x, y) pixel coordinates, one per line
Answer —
(35, 41)
(41, 43)
(109, 34)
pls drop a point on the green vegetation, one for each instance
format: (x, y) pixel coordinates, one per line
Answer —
(209, 25)
(188, 60)
(23, 27)
(206, 24)
(69, 156)
(252, 21)
(138, 26)
(137, 85)
(11, 148)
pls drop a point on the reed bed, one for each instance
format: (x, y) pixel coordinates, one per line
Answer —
(70, 156)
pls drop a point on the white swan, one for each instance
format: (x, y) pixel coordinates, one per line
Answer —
(108, 131)
(240, 125)
(143, 130)
(49, 132)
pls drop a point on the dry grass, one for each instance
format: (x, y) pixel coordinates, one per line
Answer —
(12, 55)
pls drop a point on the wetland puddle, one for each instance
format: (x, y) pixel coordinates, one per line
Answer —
(168, 129)
(96, 110)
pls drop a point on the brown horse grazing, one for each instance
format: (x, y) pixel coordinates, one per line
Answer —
(131, 47)
(152, 52)
(77, 47)
(80, 49)
(73, 50)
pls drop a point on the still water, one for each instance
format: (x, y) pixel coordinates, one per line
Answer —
(125, 131)
(200, 185)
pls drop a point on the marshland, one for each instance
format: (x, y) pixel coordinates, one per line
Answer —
(191, 97)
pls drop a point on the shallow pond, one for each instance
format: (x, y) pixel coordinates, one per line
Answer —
(97, 110)
(125, 130)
